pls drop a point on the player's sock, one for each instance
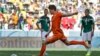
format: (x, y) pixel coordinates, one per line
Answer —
(78, 42)
(88, 52)
(43, 49)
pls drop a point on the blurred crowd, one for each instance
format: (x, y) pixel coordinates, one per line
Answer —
(24, 14)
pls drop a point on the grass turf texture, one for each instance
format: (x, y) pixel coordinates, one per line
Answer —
(50, 52)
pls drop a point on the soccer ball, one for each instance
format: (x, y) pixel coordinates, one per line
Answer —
(33, 55)
(46, 54)
(13, 54)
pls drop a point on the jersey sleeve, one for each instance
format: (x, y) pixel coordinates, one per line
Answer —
(92, 20)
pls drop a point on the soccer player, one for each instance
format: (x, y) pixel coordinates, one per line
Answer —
(87, 29)
(57, 32)
(44, 21)
(45, 24)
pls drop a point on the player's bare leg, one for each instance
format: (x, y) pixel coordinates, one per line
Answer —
(45, 53)
(66, 42)
(46, 42)
(43, 48)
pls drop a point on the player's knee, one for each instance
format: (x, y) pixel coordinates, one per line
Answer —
(68, 43)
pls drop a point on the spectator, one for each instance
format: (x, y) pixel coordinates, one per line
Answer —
(20, 21)
(31, 7)
(36, 17)
(1, 8)
(14, 19)
(39, 6)
(68, 23)
(29, 21)
(98, 16)
(26, 26)
(1, 20)
(91, 8)
(98, 10)
(35, 5)
(82, 8)
(17, 9)
(5, 26)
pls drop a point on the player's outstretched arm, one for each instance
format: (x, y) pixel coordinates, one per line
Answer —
(69, 14)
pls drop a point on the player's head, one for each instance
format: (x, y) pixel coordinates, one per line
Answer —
(45, 11)
(52, 9)
(87, 11)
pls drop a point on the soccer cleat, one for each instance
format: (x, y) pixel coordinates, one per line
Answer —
(46, 54)
(33, 55)
(88, 53)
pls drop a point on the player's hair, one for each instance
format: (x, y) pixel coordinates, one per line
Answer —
(87, 10)
(45, 9)
(52, 7)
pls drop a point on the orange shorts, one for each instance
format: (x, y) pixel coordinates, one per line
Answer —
(55, 38)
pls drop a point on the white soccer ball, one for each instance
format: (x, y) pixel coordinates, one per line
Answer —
(46, 54)
(13, 54)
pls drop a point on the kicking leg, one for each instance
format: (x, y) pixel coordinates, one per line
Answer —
(78, 43)
(66, 42)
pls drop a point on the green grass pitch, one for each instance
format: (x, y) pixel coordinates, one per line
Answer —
(51, 52)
